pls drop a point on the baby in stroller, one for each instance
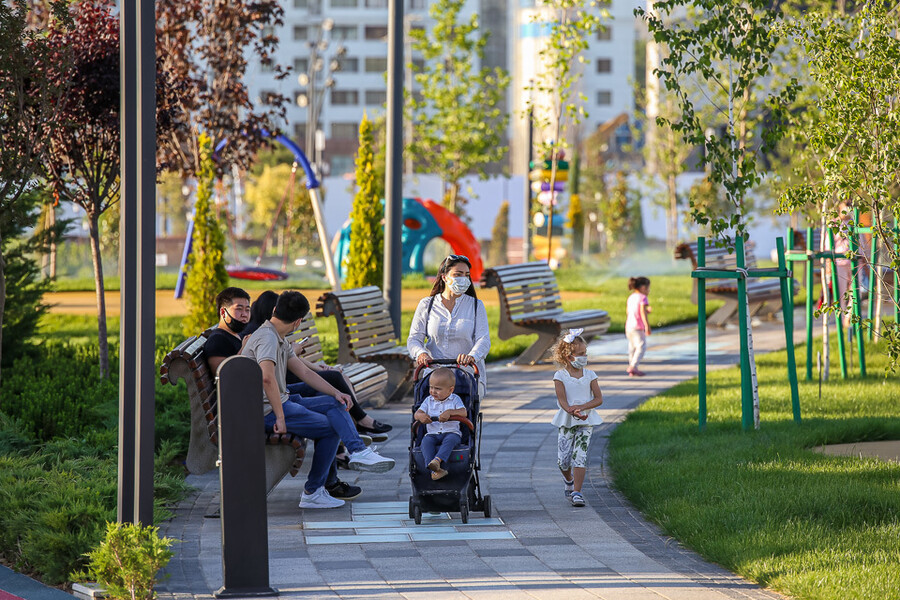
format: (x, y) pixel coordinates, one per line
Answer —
(443, 451)
(442, 435)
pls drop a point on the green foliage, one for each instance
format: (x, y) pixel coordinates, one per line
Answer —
(553, 111)
(58, 439)
(127, 561)
(724, 50)
(278, 200)
(576, 222)
(767, 507)
(853, 144)
(620, 212)
(458, 121)
(500, 236)
(206, 267)
(24, 288)
(365, 259)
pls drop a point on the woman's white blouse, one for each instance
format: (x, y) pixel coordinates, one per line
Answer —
(450, 334)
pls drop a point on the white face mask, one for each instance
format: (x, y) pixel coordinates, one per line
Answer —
(458, 285)
(579, 362)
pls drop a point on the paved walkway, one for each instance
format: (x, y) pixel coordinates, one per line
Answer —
(536, 545)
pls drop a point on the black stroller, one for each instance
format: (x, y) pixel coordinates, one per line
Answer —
(460, 489)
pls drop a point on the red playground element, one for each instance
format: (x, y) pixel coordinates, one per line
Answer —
(457, 234)
(255, 273)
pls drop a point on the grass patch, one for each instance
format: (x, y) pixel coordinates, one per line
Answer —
(763, 504)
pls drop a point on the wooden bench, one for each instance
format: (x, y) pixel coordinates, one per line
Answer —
(530, 303)
(763, 295)
(368, 379)
(284, 452)
(366, 334)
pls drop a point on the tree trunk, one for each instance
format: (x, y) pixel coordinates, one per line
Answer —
(103, 344)
(672, 213)
(53, 243)
(2, 296)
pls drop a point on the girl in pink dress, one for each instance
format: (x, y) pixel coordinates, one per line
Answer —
(637, 325)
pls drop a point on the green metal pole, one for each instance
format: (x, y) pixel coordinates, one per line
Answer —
(870, 312)
(787, 307)
(810, 284)
(839, 318)
(854, 287)
(746, 384)
(701, 334)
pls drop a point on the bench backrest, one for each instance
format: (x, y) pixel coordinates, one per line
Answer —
(364, 323)
(312, 347)
(198, 378)
(526, 288)
(719, 258)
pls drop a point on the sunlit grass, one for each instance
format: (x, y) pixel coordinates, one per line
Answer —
(763, 504)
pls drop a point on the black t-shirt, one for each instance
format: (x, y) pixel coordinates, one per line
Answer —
(221, 343)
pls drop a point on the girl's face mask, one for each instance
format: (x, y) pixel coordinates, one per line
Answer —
(579, 362)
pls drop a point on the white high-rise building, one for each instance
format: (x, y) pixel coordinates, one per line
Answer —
(353, 35)
(607, 76)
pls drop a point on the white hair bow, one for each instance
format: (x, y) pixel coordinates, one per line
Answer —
(572, 334)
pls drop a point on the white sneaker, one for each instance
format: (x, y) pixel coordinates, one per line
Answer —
(369, 460)
(319, 499)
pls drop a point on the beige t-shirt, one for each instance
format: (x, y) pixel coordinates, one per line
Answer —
(266, 344)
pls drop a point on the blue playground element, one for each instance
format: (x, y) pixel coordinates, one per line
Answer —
(419, 228)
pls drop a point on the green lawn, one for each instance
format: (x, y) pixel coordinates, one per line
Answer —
(763, 504)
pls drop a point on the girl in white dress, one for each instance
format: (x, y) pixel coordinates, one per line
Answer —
(577, 392)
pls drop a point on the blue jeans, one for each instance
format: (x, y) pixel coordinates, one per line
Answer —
(439, 445)
(332, 409)
(304, 422)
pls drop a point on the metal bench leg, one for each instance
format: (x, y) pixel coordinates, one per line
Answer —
(399, 381)
(721, 316)
(535, 352)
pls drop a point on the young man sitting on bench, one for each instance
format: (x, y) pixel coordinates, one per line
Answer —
(314, 417)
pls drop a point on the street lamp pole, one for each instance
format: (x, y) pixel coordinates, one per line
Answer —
(393, 205)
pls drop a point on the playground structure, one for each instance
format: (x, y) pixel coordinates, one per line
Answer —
(821, 247)
(423, 221)
(749, 393)
(256, 272)
(552, 226)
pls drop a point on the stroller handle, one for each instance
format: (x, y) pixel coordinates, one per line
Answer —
(441, 361)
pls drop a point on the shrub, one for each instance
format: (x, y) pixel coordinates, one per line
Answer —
(127, 561)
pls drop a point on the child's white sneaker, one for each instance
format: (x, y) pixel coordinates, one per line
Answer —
(570, 487)
(319, 499)
(576, 499)
(369, 460)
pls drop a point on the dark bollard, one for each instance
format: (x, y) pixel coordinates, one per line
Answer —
(242, 478)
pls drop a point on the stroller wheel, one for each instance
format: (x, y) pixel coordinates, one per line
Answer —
(412, 505)
(464, 511)
(417, 514)
(487, 506)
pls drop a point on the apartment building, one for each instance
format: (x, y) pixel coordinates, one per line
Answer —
(347, 42)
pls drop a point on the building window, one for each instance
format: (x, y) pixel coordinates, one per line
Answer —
(375, 64)
(344, 3)
(349, 65)
(604, 65)
(345, 32)
(604, 97)
(344, 97)
(341, 164)
(345, 131)
(301, 3)
(376, 3)
(376, 32)
(300, 132)
(604, 34)
(301, 32)
(418, 4)
(376, 97)
(301, 65)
